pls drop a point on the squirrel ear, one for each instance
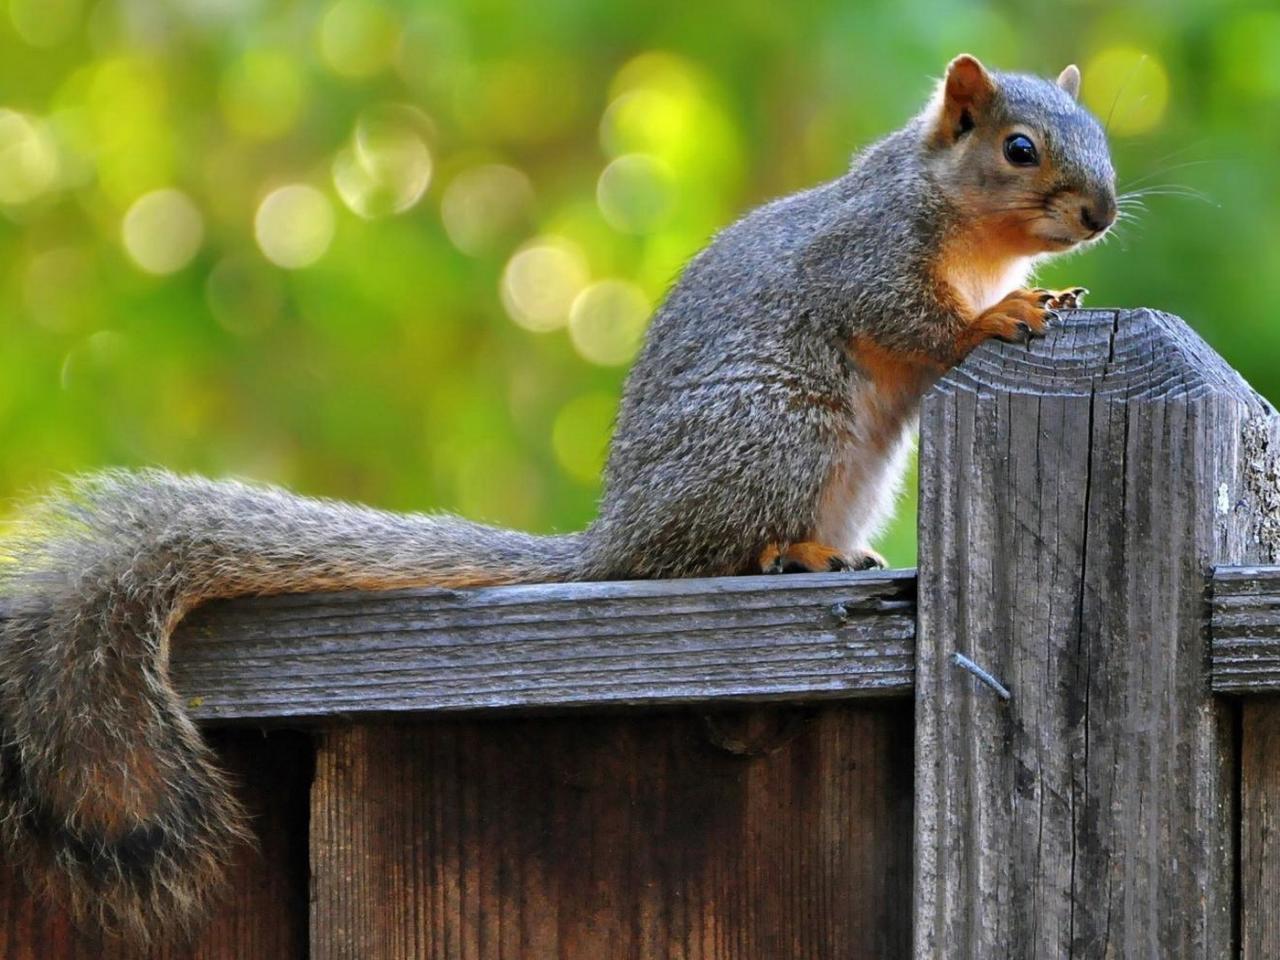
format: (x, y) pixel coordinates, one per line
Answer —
(963, 92)
(1069, 80)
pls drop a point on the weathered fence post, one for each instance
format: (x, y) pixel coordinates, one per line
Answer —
(1073, 499)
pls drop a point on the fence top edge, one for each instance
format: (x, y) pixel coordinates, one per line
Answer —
(1138, 355)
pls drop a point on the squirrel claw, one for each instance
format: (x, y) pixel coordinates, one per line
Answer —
(1018, 318)
(1020, 332)
(804, 557)
(1068, 299)
(867, 559)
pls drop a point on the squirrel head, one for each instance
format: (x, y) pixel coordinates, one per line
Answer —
(1020, 154)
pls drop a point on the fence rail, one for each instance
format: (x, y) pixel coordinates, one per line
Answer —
(797, 637)
(1245, 626)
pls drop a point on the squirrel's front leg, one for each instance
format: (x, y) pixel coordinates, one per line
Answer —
(1020, 316)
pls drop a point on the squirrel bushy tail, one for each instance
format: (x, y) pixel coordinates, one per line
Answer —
(108, 794)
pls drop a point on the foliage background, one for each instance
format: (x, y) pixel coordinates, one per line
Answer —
(336, 245)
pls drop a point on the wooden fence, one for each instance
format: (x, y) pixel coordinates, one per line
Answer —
(1054, 741)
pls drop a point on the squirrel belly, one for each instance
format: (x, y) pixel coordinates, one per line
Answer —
(866, 478)
(107, 791)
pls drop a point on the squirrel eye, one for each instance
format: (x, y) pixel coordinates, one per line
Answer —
(1020, 151)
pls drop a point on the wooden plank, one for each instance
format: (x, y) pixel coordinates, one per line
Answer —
(265, 914)
(550, 645)
(619, 836)
(1245, 624)
(1073, 496)
(1260, 830)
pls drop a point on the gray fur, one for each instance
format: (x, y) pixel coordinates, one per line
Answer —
(743, 404)
(1076, 140)
(93, 580)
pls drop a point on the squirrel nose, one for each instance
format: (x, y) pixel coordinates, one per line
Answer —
(1098, 215)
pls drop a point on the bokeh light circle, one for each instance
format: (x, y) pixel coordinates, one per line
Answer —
(387, 166)
(358, 38)
(294, 226)
(162, 231)
(607, 321)
(262, 94)
(28, 158)
(1127, 88)
(484, 204)
(635, 193)
(540, 282)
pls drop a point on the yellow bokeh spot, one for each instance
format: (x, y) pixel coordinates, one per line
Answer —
(131, 136)
(607, 321)
(28, 158)
(664, 107)
(483, 204)
(636, 193)
(540, 282)
(651, 121)
(262, 94)
(1127, 89)
(294, 226)
(162, 231)
(658, 70)
(358, 38)
(580, 435)
(386, 168)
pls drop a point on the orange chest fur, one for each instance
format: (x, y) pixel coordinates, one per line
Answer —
(980, 268)
(895, 382)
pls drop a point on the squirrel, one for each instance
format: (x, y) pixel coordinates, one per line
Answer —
(764, 427)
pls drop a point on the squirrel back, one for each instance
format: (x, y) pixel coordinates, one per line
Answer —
(764, 428)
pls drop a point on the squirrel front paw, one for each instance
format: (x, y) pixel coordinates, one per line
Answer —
(1021, 316)
(1017, 318)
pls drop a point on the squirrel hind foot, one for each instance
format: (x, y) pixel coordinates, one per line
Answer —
(864, 558)
(809, 557)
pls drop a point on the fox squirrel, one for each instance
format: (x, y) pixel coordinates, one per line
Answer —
(764, 427)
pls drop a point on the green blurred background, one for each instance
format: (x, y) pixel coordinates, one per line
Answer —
(401, 252)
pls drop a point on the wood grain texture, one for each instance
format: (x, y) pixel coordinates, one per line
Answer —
(1260, 830)
(265, 913)
(616, 837)
(1073, 499)
(1245, 624)
(550, 645)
